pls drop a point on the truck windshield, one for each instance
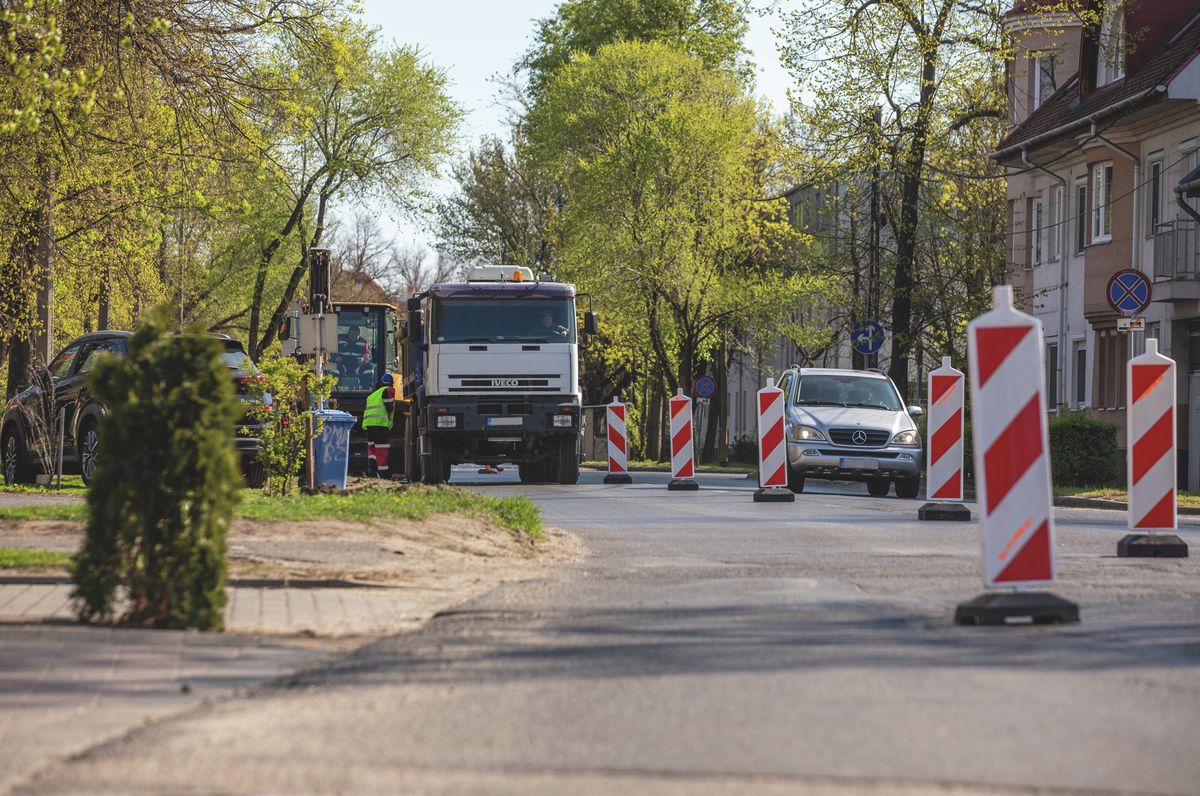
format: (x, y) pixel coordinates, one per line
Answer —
(525, 320)
(356, 359)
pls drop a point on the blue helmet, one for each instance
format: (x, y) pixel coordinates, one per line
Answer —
(386, 379)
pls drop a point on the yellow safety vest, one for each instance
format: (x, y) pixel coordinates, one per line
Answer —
(376, 414)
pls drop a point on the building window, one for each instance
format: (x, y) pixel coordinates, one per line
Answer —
(1043, 77)
(1051, 377)
(1035, 229)
(1080, 215)
(1102, 177)
(1056, 221)
(1110, 61)
(1080, 375)
(1156, 195)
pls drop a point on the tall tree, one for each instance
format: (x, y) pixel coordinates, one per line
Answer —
(935, 66)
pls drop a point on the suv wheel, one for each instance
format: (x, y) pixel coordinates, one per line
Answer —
(878, 487)
(13, 453)
(89, 443)
(908, 487)
(795, 481)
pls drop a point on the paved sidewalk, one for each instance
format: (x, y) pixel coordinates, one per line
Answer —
(64, 689)
(322, 608)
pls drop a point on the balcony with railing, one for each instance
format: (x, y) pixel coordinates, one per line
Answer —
(1176, 267)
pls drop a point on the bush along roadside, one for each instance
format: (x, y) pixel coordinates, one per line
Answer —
(162, 498)
(1083, 450)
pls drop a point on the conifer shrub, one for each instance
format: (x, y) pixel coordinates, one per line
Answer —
(1083, 450)
(165, 483)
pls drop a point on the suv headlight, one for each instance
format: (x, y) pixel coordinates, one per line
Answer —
(806, 434)
(907, 438)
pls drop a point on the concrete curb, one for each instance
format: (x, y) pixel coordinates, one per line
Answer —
(1071, 502)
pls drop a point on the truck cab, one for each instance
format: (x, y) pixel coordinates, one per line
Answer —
(491, 365)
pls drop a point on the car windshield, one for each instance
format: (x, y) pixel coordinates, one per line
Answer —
(828, 389)
(520, 320)
(360, 336)
(234, 358)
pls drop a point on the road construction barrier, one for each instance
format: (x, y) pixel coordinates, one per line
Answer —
(1012, 466)
(772, 448)
(1151, 476)
(944, 451)
(618, 444)
(683, 464)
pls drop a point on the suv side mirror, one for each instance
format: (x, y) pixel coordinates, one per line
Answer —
(915, 411)
(591, 323)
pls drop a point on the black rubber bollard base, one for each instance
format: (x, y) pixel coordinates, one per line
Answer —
(618, 478)
(682, 485)
(1144, 545)
(997, 608)
(953, 512)
(487, 471)
(774, 494)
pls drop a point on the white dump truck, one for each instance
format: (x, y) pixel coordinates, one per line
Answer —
(490, 369)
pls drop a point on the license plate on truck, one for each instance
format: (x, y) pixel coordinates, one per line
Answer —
(505, 421)
(858, 464)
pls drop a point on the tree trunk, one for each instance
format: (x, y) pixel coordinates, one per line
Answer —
(654, 415)
(18, 364)
(44, 222)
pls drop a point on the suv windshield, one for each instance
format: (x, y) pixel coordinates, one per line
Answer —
(234, 357)
(524, 320)
(836, 390)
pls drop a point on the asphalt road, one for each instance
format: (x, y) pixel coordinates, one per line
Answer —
(709, 644)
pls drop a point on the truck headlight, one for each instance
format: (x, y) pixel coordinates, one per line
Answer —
(806, 434)
(447, 421)
(563, 421)
(907, 438)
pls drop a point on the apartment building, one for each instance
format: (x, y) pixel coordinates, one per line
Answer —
(1104, 123)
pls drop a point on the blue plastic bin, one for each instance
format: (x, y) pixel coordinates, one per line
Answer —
(331, 447)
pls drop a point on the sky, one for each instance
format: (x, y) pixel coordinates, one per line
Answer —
(474, 40)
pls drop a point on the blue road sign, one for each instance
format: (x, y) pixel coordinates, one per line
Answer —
(866, 337)
(1129, 292)
(704, 386)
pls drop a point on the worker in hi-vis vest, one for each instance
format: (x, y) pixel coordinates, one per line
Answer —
(377, 422)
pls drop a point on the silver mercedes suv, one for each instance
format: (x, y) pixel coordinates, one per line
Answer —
(850, 425)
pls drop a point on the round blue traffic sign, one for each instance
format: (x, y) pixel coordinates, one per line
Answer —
(866, 337)
(705, 386)
(1129, 292)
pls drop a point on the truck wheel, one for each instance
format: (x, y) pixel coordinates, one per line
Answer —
(435, 465)
(907, 487)
(567, 461)
(254, 473)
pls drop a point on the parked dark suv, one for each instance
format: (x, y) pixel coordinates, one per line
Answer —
(68, 372)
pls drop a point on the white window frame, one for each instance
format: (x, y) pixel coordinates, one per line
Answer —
(1110, 55)
(1079, 346)
(1154, 192)
(1080, 218)
(1036, 220)
(1057, 206)
(1038, 62)
(1102, 175)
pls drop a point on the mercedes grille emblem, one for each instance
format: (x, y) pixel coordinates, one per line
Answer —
(859, 437)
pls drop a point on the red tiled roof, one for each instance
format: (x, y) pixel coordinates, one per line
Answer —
(1065, 107)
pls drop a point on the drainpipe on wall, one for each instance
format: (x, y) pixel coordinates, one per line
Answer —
(1060, 230)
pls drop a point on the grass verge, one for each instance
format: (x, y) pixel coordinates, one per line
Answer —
(71, 485)
(1189, 499)
(516, 513)
(20, 558)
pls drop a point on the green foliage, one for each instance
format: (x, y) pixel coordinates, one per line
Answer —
(1083, 450)
(281, 396)
(165, 483)
(22, 558)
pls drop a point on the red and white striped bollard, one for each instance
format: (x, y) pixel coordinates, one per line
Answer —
(944, 446)
(618, 444)
(1012, 467)
(772, 448)
(1150, 442)
(683, 460)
